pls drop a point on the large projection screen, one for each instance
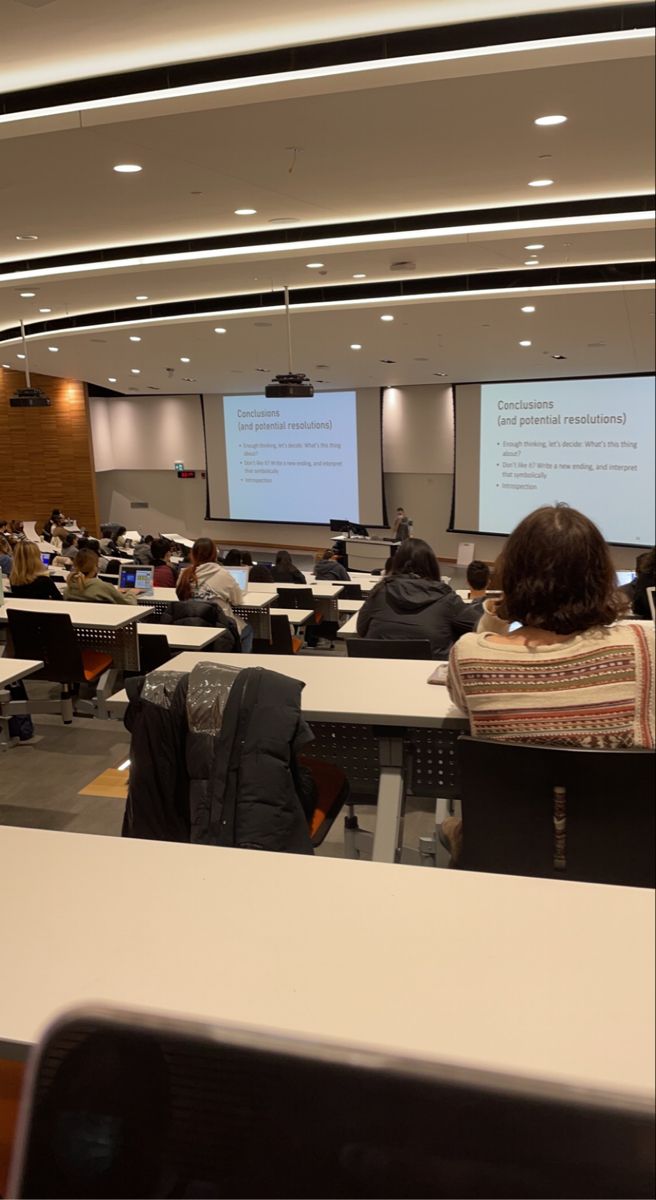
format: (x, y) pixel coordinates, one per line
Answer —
(295, 461)
(585, 442)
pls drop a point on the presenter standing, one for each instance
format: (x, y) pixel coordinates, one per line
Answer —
(401, 526)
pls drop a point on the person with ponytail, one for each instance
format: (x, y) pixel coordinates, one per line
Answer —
(83, 584)
(206, 579)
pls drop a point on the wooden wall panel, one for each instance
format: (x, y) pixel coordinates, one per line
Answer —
(47, 453)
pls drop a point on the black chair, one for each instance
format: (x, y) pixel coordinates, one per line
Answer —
(293, 598)
(50, 637)
(154, 651)
(558, 813)
(283, 641)
(351, 591)
(379, 648)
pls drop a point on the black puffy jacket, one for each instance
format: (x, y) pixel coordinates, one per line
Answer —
(213, 759)
(405, 606)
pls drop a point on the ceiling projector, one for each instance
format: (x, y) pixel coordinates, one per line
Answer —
(290, 386)
(29, 397)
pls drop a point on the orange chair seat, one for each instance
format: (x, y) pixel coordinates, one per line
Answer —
(94, 663)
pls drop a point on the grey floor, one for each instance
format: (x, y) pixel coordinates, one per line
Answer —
(40, 781)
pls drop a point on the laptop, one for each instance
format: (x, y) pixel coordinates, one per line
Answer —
(46, 559)
(137, 577)
(624, 578)
(240, 575)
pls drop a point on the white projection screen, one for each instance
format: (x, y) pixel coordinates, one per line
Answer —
(585, 442)
(295, 461)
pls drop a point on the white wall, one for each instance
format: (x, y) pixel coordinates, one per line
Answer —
(136, 442)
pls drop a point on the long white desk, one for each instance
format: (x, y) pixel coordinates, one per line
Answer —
(322, 590)
(349, 629)
(183, 637)
(489, 972)
(345, 607)
(12, 669)
(98, 616)
(387, 695)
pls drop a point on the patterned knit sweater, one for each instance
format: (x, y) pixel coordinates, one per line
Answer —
(595, 690)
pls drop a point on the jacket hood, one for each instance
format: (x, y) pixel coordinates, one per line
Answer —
(409, 593)
(207, 570)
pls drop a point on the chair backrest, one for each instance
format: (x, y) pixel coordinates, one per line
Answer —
(294, 597)
(154, 651)
(352, 591)
(51, 638)
(379, 648)
(281, 635)
(558, 813)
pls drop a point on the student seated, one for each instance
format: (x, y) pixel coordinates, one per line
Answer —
(66, 555)
(284, 570)
(412, 602)
(233, 558)
(478, 581)
(569, 675)
(6, 556)
(82, 583)
(29, 578)
(646, 578)
(16, 532)
(55, 520)
(246, 560)
(260, 573)
(142, 553)
(329, 567)
(163, 575)
(207, 579)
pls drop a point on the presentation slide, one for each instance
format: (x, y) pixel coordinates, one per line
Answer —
(284, 459)
(294, 460)
(586, 442)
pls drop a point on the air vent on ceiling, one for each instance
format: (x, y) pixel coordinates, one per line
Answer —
(402, 265)
(34, 3)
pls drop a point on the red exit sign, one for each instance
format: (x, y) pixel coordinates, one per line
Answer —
(186, 474)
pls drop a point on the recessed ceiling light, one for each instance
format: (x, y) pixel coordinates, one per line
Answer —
(540, 182)
(441, 374)
(183, 359)
(554, 119)
(54, 349)
(141, 297)
(245, 212)
(528, 308)
(534, 246)
(127, 168)
(525, 343)
(45, 310)
(531, 262)
(387, 317)
(559, 356)
(220, 329)
(6, 366)
(20, 356)
(135, 371)
(355, 346)
(360, 275)
(27, 295)
(112, 379)
(27, 237)
(134, 337)
(314, 266)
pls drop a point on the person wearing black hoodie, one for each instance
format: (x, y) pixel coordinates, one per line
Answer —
(412, 602)
(329, 567)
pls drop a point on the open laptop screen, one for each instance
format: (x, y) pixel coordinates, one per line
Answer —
(136, 577)
(240, 575)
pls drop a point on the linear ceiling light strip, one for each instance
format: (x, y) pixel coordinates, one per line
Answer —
(361, 241)
(8, 337)
(325, 72)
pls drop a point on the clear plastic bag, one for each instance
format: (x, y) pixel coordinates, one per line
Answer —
(207, 695)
